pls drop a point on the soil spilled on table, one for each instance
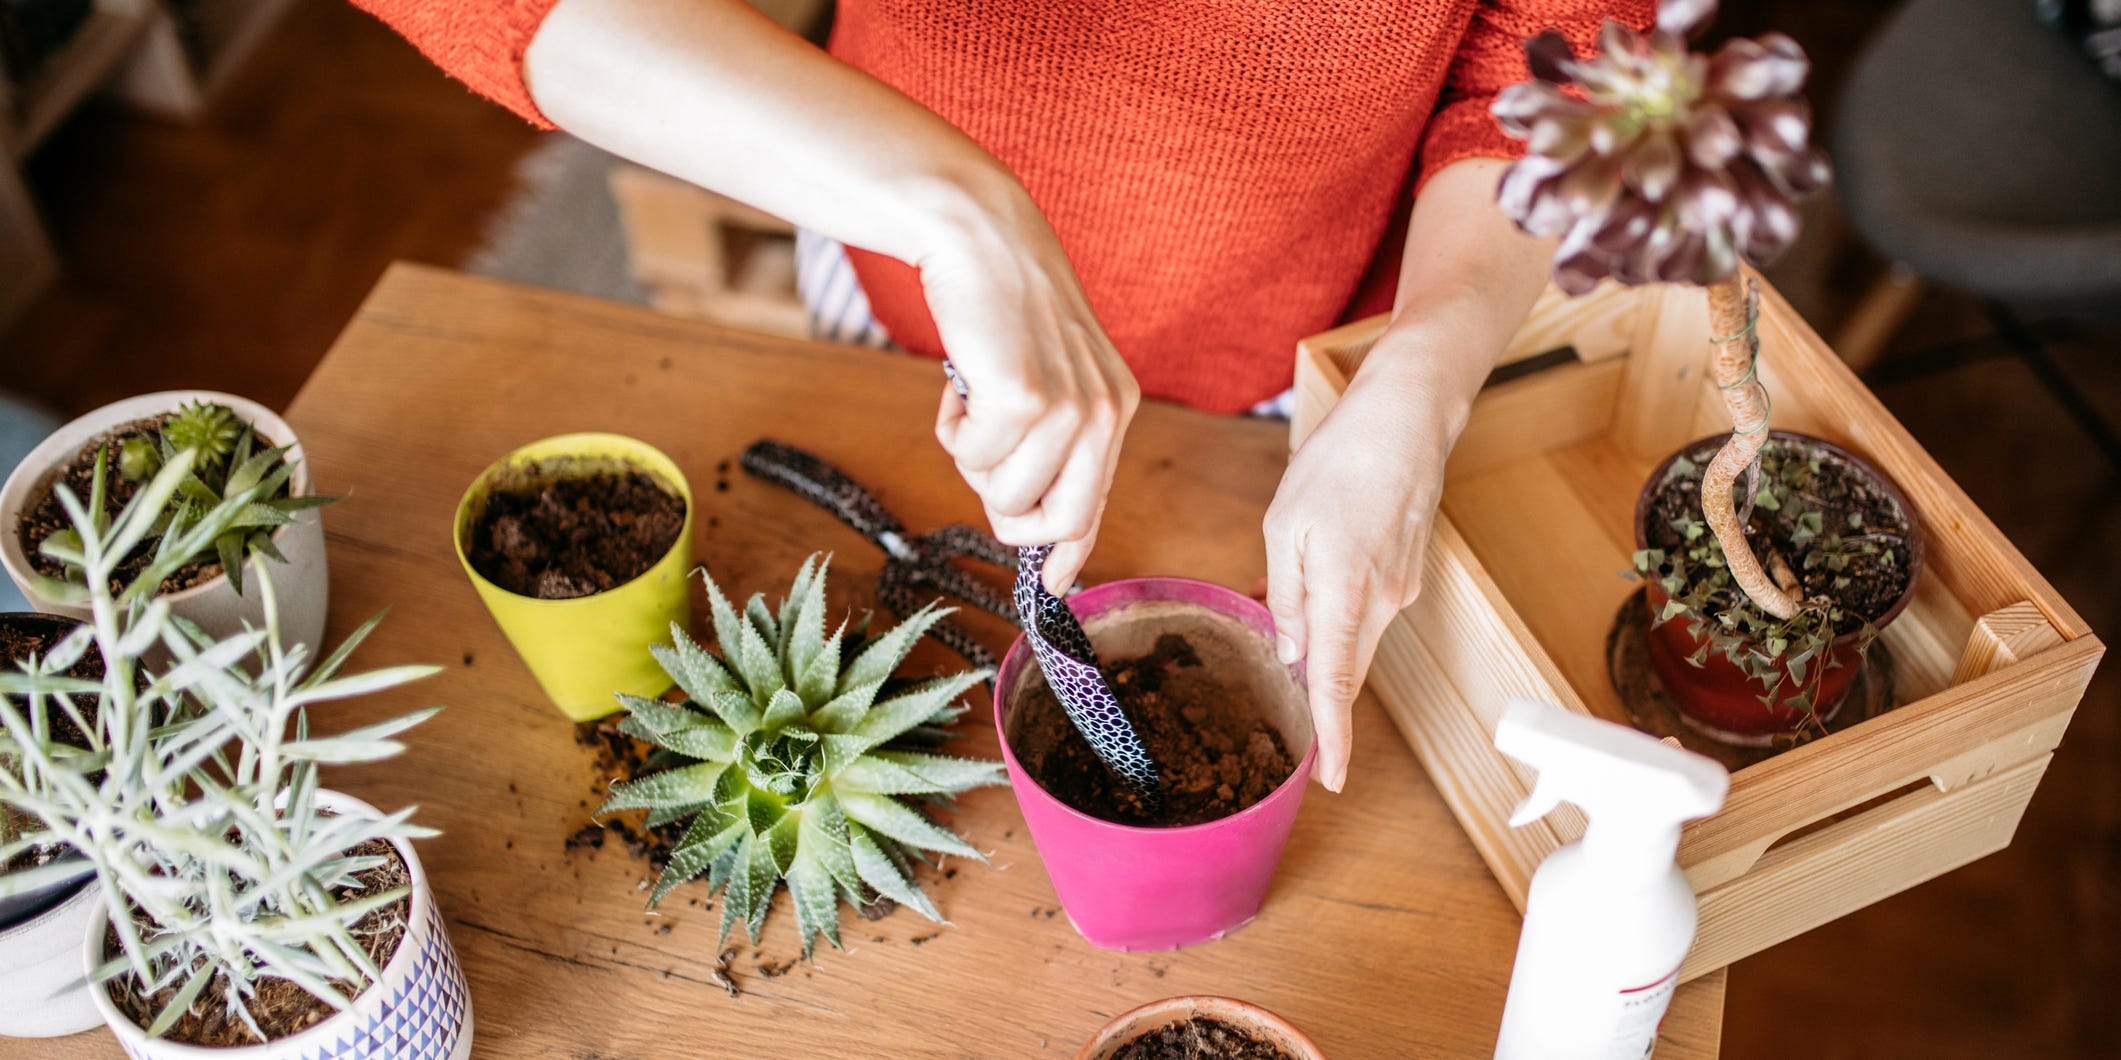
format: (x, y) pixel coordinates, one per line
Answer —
(47, 517)
(1215, 750)
(571, 537)
(280, 1007)
(1867, 585)
(1200, 1038)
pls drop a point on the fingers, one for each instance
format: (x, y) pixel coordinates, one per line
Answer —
(1334, 619)
(1285, 589)
(1065, 563)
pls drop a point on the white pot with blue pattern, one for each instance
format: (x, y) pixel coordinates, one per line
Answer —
(419, 1010)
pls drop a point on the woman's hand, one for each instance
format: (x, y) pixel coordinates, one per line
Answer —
(1051, 399)
(1347, 529)
(1346, 533)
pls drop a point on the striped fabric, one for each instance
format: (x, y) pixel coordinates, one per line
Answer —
(839, 311)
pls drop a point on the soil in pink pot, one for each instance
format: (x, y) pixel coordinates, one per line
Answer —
(1216, 751)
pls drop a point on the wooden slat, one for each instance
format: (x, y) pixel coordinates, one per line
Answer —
(2004, 637)
(1667, 364)
(1525, 417)
(1821, 778)
(1851, 864)
(1985, 571)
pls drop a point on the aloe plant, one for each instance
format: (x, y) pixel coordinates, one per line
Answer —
(790, 766)
(194, 792)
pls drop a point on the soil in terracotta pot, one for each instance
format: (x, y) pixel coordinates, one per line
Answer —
(1200, 1038)
(1216, 750)
(20, 642)
(1839, 489)
(575, 537)
(48, 518)
(280, 1007)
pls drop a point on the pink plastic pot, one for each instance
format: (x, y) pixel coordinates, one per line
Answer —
(1128, 887)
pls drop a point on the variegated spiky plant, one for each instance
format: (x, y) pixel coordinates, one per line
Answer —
(792, 767)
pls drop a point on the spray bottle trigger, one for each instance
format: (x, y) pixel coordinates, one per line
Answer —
(1536, 805)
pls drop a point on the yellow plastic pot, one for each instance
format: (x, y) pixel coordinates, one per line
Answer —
(584, 649)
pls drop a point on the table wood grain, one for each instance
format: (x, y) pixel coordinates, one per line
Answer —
(1383, 936)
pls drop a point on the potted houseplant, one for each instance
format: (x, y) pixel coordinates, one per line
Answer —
(238, 906)
(1770, 559)
(795, 758)
(578, 545)
(1199, 1025)
(1229, 729)
(41, 928)
(245, 450)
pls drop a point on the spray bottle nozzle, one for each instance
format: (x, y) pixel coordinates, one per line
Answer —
(1615, 773)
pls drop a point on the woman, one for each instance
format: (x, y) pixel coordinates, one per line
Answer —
(1073, 196)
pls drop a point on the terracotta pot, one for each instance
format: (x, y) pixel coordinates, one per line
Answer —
(1129, 887)
(419, 1010)
(1719, 699)
(1261, 1023)
(302, 585)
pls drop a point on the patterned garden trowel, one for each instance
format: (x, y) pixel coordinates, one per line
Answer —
(1070, 665)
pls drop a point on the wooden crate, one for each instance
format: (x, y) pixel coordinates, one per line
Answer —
(1523, 577)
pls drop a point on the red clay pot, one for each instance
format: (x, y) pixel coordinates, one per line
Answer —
(1717, 698)
(1134, 1023)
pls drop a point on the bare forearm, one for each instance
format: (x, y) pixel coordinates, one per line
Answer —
(1466, 282)
(715, 93)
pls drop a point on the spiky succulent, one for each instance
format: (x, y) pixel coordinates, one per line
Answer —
(1663, 164)
(228, 462)
(789, 766)
(205, 428)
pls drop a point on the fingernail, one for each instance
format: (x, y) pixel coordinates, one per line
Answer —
(1284, 648)
(1336, 775)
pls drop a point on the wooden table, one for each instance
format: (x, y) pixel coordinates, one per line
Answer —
(1384, 935)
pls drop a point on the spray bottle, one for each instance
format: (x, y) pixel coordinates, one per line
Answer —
(1610, 916)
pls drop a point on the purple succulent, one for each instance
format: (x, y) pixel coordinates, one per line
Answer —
(1662, 164)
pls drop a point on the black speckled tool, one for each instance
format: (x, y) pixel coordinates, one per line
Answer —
(1070, 664)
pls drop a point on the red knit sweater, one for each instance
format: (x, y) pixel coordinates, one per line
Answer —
(1228, 176)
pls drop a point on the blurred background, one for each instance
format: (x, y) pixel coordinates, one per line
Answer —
(199, 192)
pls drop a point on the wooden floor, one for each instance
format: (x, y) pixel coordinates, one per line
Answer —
(227, 255)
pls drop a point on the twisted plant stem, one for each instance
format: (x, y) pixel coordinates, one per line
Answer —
(1734, 313)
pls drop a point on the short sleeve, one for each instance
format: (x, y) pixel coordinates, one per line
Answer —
(478, 42)
(1491, 58)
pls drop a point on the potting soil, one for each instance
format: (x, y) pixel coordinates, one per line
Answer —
(575, 537)
(280, 1007)
(1215, 750)
(1200, 1038)
(1838, 490)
